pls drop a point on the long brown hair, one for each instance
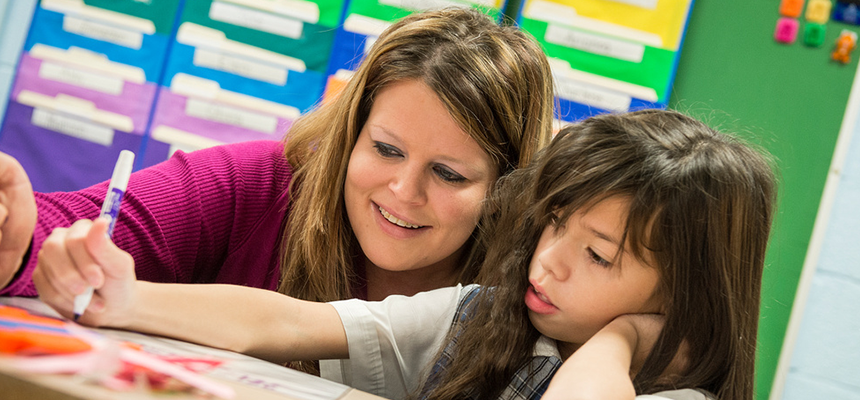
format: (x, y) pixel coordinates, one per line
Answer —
(702, 205)
(495, 82)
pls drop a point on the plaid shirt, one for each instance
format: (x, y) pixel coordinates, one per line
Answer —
(530, 381)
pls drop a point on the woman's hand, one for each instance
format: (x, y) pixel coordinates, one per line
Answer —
(71, 259)
(17, 216)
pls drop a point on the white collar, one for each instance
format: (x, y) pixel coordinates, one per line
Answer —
(546, 347)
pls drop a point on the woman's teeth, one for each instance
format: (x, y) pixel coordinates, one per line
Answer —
(397, 221)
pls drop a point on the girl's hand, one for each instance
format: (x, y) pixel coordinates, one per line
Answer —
(17, 217)
(648, 328)
(82, 255)
(603, 367)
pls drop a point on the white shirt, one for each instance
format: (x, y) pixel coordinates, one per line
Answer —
(393, 343)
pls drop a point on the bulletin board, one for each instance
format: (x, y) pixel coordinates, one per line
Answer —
(790, 99)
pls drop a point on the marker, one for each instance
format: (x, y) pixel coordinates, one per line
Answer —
(110, 211)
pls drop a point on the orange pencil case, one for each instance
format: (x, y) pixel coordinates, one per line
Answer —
(23, 333)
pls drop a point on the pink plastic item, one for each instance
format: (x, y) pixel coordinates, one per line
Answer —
(786, 30)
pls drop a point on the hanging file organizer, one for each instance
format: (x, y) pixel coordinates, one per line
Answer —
(277, 50)
(122, 38)
(195, 112)
(608, 55)
(241, 70)
(84, 90)
(162, 13)
(300, 29)
(365, 20)
(64, 142)
(111, 86)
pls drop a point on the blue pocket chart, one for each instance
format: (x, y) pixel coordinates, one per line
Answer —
(239, 67)
(122, 38)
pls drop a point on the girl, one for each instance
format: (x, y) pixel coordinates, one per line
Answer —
(630, 237)
(443, 104)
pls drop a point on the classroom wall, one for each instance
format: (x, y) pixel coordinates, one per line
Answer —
(824, 361)
(790, 100)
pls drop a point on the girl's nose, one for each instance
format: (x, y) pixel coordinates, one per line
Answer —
(554, 259)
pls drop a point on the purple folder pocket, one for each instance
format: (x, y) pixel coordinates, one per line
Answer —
(189, 123)
(58, 161)
(108, 93)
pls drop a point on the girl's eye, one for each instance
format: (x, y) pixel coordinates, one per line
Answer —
(387, 150)
(595, 258)
(448, 175)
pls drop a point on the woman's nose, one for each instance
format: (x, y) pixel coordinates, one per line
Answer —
(408, 184)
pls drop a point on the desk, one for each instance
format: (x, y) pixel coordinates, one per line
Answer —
(250, 377)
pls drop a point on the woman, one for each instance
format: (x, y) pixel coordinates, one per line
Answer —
(379, 192)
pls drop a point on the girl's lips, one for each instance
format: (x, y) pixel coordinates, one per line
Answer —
(538, 303)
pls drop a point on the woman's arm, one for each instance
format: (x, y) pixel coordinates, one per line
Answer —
(257, 322)
(253, 321)
(181, 219)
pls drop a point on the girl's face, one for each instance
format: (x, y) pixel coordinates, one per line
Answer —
(414, 184)
(577, 285)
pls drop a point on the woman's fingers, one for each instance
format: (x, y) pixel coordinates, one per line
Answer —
(65, 268)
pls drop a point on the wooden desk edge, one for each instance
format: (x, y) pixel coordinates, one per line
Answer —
(20, 385)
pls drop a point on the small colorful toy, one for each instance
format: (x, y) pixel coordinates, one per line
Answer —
(846, 12)
(818, 11)
(845, 44)
(813, 34)
(786, 30)
(790, 8)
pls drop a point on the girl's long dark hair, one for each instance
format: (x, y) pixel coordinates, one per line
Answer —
(702, 205)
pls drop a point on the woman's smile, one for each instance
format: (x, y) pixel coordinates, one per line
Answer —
(397, 221)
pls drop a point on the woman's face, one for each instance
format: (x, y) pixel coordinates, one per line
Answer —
(577, 284)
(415, 183)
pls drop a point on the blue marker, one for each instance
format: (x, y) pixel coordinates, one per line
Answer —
(110, 211)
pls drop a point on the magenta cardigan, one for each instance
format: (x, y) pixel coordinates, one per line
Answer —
(210, 216)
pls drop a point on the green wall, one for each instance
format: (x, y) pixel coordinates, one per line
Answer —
(788, 98)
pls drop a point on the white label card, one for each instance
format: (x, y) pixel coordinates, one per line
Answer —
(240, 66)
(255, 19)
(73, 127)
(649, 4)
(231, 116)
(425, 5)
(584, 93)
(103, 32)
(594, 43)
(84, 79)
